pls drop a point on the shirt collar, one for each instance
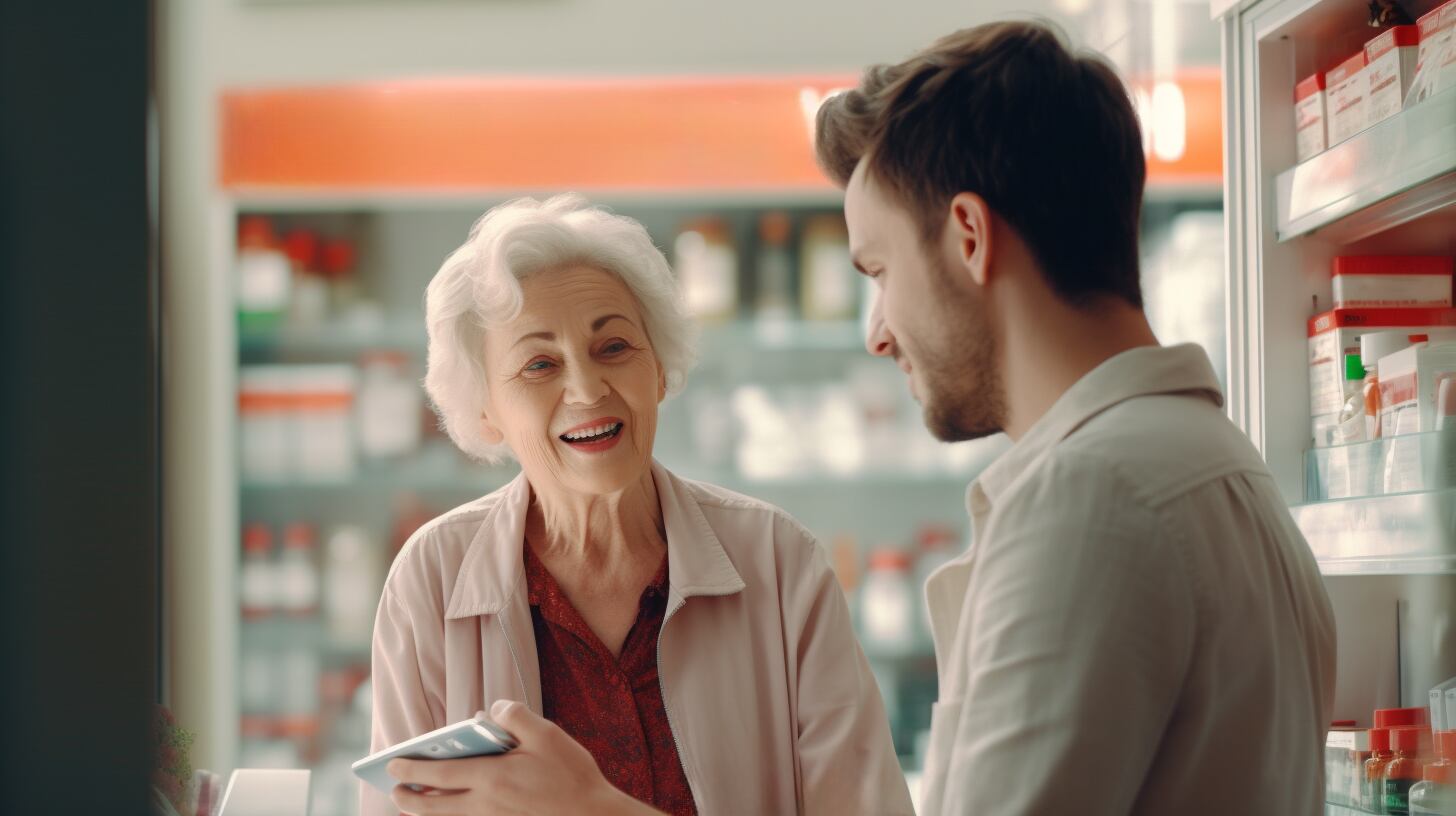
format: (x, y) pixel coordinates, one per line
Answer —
(1139, 372)
(493, 570)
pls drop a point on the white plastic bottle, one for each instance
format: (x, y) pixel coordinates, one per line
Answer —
(352, 584)
(388, 406)
(298, 574)
(263, 275)
(888, 605)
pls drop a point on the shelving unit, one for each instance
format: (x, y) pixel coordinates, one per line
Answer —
(1389, 559)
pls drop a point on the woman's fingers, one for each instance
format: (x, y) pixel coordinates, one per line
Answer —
(432, 803)
(443, 774)
(522, 723)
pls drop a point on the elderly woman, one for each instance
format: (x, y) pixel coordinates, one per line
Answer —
(670, 645)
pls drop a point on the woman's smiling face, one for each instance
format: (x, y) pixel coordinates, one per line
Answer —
(574, 383)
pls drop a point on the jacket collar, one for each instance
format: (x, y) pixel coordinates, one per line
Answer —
(1139, 372)
(493, 571)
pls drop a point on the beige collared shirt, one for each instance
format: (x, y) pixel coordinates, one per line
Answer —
(771, 702)
(1139, 627)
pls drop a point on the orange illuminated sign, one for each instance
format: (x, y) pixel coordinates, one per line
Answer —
(672, 134)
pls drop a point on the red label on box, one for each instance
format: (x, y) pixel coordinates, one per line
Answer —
(1398, 37)
(1380, 319)
(1309, 87)
(1393, 265)
(1398, 390)
(1346, 69)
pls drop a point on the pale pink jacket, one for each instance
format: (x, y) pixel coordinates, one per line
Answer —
(770, 699)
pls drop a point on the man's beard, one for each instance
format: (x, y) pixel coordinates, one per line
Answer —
(962, 395)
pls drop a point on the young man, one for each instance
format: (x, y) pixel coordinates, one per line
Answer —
(1138, 626)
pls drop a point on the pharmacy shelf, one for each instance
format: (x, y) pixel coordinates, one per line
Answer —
(1397, 171)
(329, 342)
(347, 342)
(481, 481)
(432, 472)
(1403, 534)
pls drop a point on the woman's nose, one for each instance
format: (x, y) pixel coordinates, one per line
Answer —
(585, 385)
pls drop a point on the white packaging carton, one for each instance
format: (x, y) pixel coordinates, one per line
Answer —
(1431, 54)
(1391, 281)
(1310, 134)
(1409, 382)
(1390, 67)
(1346, 88)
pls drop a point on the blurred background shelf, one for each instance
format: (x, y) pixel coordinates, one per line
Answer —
(345, 341)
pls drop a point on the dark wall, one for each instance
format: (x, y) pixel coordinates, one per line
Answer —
(78, 408)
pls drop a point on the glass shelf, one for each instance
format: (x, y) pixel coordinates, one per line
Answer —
(1409, 463)
(1394, 172)
(1403, 534)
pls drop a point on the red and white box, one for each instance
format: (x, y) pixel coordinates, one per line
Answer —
(1346, 89)
(1433, 40)
(1446, 77)
(1390, 66)
(1392, 281)
(1310, 137)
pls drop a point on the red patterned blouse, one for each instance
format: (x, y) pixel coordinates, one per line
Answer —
(611, 705)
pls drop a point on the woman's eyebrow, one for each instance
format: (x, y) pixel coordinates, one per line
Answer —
(550, 336)
(540, 335)
(605, 319)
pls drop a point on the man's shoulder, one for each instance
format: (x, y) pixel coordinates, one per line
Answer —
(1159, 447)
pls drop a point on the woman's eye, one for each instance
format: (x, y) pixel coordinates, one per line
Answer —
(614, 347)
(539, 365)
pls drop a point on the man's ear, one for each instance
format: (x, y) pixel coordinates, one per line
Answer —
(968, 236)
(489, 431)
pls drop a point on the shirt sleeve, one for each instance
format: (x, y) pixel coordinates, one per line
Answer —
(847, 761)
(403, 705)
(1076, 641)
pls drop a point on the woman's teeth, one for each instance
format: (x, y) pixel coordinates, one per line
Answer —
(590, 434)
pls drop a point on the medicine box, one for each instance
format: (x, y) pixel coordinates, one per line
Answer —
(1347, 89)
(1310, 135)
(1409, 381)
(1390, 67)
(1391, 281)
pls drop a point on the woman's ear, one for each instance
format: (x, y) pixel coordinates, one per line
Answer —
(661, 383)
(489, 431)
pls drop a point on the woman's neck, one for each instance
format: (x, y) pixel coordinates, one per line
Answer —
(608, 531)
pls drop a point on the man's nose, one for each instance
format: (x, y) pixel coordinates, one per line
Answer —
(878, 340)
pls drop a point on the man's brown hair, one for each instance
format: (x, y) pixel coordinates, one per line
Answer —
(1007, 111)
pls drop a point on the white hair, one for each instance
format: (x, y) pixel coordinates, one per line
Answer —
(479, 286)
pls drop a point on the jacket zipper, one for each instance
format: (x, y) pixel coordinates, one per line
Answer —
(667, 709)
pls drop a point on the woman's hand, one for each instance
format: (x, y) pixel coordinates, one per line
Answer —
(548, 773)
